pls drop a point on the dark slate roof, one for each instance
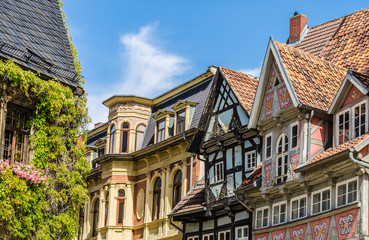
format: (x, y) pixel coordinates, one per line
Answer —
(92, 140)
(197, 94)
(192, 201)
(33, 33)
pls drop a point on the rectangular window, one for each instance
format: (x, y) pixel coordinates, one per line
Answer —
(359, 119)
(242, 233)
(250, 160)
(294, 135)
(346, 193)
(219, 172)
(193, 238)
(208, 236)
(16, 136)
(298, 208)
(262, 218)
(321, 201)
(224, 235)
(279, 213)
(268, 146)
(344, 127)
(160, 133)
(181, 117)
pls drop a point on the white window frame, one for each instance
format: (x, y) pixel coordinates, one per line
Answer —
(262, 217)
(352, 116)
(282, 155)
(291, 136)
(279, 205)
(271, 146)
(224, 232)
(338, 125)
(193, 237)
(298, 207)
(321, 205)
(242, 237)
(346, 182)
(208, 235)
(247, 159)
(218, 178)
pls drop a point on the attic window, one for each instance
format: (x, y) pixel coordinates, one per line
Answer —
(277, 81)
(160, 133)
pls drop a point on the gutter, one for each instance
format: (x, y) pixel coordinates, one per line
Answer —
(357, 161)
(175, 226)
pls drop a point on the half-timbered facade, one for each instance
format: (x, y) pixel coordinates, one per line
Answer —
(312, 114)
(231, 152)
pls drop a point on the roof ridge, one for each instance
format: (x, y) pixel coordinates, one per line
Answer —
(311, 55)
(240, 72)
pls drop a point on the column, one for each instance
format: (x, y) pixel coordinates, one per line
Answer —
(86, 220)
(111, 207)
(167, 203)
(100, 224)
(148, 196)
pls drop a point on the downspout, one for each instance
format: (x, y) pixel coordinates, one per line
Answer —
(309, 137)
(175, 226)
(357, 161)
(191, 171)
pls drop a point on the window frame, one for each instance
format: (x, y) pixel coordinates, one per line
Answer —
(112, 141)
(247, 153)
(320, 191)
(179, 189)
(208, 235)
(243, 237)
(298, 207)
(346, 182)
(352, 119)
(118, 201)
(162, 130)
(343, 112)
(106, 209)
(123, 130)
(217, 178)
(224, 232)
(183, 123)
(193, 237)
(292, 125)
(279, 204)
(284, 155)
(154, 193)
(262, 210)
(266, 147)
(95, 217)
(137, 146)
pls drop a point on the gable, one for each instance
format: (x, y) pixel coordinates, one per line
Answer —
(354, 95)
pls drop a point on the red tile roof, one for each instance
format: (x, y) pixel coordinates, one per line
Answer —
(340, 148)
(317, 37)
(315, 81)
(192, 201)
(343, 41)
(364, 79)
(253, 176)
(243, 85)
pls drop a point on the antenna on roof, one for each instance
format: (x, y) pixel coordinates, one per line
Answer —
(296, 13)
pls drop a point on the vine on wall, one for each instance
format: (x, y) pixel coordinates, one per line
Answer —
(45, 206)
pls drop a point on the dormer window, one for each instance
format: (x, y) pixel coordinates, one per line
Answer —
(351, 123)
(160, 133)
(181, 119)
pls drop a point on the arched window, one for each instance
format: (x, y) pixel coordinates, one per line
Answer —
(121, 197)
(106, 208)
(95, 218)
(156, 199)
(125, 138)
(177, 188)
(282, 159)
(139, 135)
(112, 139)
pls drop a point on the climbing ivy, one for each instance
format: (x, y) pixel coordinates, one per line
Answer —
(47, 209)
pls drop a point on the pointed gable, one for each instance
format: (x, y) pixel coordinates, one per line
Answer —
(315, 81)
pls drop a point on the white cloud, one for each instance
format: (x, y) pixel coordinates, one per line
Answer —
(149, 70)
(252, 71)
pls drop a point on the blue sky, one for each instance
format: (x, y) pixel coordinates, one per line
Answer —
(144, 48)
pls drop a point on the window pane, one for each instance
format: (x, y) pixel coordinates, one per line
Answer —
(125, 141)
(120, 211)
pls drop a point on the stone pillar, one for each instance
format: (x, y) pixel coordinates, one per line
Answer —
(167, 202)
(85, 229)
(184, 177)
(112, 202)
(100, 224)
(148, 200)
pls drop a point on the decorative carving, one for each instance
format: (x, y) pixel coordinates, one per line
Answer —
(217, 130)
(210, 196)
(235, 121)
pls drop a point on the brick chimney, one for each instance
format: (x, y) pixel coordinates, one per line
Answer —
(98, 124)
(297, 24)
